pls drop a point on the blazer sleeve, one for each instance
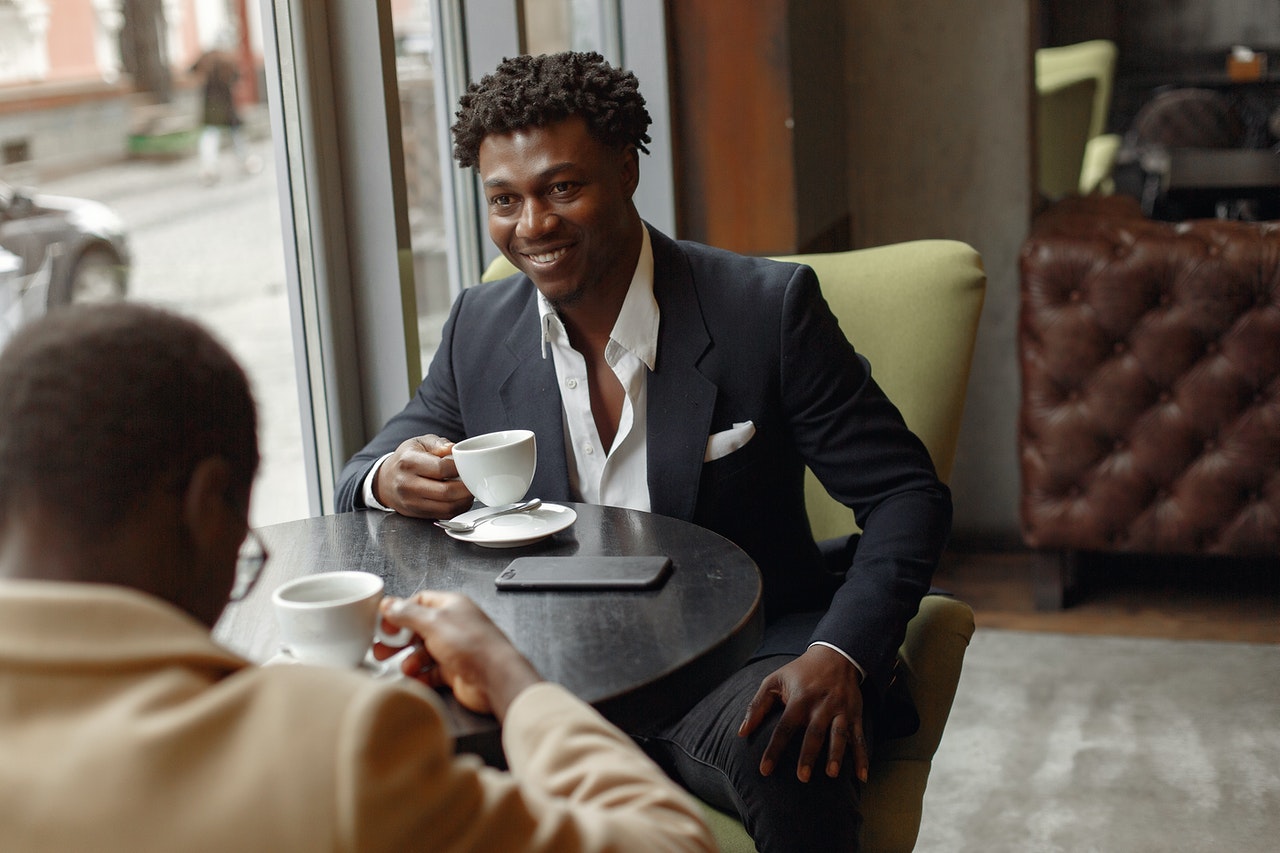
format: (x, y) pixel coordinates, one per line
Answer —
(576, 783)
(857, 444)
(433, 410)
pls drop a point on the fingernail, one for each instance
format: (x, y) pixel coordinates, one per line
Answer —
(833, 769)
(862, 774)
(393, 606)
(803, 773)
(766, 767)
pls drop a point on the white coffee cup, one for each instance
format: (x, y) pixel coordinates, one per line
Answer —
(498, 466)
(331, 618)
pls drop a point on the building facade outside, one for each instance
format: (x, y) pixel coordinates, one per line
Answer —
(87, 82)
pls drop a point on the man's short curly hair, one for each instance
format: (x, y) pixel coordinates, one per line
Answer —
(100, 403)
(535, 91)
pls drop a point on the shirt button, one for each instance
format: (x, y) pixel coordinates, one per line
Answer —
(588, 449)
(572, 383)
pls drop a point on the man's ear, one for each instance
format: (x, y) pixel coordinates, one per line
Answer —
(630, 170)
(206, 506)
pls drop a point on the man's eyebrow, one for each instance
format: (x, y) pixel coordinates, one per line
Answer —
(545, 175)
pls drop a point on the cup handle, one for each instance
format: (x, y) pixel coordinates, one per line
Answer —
(398, 640)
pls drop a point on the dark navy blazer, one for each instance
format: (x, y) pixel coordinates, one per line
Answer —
(740, 339)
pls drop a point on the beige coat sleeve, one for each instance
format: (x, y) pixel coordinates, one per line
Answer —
(576, 783)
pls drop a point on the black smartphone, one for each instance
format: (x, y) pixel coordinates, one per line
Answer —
(630, 572)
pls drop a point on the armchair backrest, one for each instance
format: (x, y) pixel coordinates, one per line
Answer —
(912, 309)
(1062, 135)
(1096, 60)
(1074, 84)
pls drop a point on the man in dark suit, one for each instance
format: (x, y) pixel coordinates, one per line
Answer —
(688, 381)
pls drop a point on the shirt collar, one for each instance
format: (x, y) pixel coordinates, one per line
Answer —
(636, 329)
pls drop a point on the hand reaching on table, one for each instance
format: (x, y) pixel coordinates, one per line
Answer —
(823, 705)
(420, 479)
(461, 649)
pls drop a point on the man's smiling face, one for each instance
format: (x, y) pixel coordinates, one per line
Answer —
(559, 205)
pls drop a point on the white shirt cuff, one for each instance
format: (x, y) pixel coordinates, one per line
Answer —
(862, 672)
(367, 489)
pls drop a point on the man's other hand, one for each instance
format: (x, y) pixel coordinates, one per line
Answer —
(823, 703)
(461, 649)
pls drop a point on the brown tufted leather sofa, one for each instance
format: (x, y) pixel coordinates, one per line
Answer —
(1150, 359)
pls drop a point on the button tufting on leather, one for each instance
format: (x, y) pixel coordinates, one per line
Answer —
(1170, 310)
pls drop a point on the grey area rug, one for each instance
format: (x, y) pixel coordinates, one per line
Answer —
(1079, 743)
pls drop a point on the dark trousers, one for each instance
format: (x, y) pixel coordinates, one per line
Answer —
(703, 752)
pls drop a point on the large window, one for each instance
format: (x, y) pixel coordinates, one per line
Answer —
(105, 194)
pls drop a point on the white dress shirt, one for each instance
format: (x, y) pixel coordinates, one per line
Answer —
(617, 476)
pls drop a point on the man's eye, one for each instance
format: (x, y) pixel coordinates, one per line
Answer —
(561, 187)
(501, 201)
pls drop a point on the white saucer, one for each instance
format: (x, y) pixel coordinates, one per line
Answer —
(521, 528)
(388, 669)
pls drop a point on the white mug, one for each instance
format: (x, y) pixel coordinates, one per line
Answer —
(498, 466)
(331, 618)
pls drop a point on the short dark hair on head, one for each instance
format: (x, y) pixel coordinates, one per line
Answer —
(100, 403)
(535, 91)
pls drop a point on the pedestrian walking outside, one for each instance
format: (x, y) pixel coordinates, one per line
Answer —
(220, 117)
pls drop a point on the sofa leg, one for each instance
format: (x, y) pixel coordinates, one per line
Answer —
(1055, 578)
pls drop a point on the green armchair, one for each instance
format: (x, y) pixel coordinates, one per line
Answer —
(912, 309)
(1061, 73)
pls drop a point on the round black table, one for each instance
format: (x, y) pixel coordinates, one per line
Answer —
(637, 656)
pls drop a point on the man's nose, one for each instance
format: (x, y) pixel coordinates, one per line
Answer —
(536, 219)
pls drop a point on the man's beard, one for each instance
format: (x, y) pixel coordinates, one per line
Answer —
(567, 300)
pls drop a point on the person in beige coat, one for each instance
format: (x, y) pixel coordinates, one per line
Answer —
(127, 450)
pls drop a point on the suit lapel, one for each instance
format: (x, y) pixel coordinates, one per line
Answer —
(531, 400)
(681, 399)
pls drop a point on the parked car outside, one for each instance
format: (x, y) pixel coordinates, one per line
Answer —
(84, 241)
(21, 298)
(10, 266)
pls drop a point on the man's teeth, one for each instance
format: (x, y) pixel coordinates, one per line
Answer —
(548, 257)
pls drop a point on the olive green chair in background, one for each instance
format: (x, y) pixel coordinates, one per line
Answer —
(912, 309)
(1060, 71)
(1062, 135)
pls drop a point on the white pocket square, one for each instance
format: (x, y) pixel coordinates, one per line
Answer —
(721, 444)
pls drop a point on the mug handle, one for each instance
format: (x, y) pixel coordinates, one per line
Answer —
(399, 640)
